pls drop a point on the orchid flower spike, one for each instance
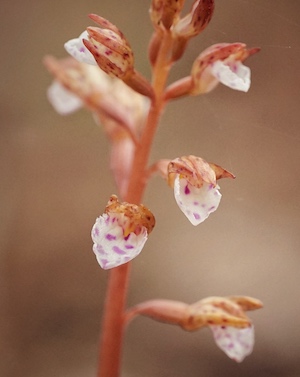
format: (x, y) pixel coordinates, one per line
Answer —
(195, 186)
(119, 235)
(225, 316)
(222, 63)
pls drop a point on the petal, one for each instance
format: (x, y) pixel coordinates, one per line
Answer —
(235, 342)
(111, 247)
(196, 203)
(77, 49)
(235, 75)
(63, 101)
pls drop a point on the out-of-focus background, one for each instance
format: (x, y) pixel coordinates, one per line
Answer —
(55, 182)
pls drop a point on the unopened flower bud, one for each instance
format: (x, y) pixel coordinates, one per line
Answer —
(191, 25)
(110, 48)
(114, 55)
(196, 20)
(107, 47)
(165, 12)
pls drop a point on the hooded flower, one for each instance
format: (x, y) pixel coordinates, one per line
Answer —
(232, 329)
(195, 186)
(222, 63)
(119, 235)
(118, 108)
(107, 47)
(165, 12)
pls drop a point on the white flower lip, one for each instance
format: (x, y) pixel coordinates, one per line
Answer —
(63, 101)
(196, 203)
(234, 74)
(77, 49)
(235, 342)
(111, 248)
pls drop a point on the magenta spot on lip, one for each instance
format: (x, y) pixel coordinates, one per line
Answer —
(211, 208)
(127, 237)
(104, 262)
(82, 49)
(197, 216)
(117, 250)
(100, 250)
(96, 232)
(203, 205)
(110, 237)
(129, 247)
(196, 203)
(187, 190)
(210, 186)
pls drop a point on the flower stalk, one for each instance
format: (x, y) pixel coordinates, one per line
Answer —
(113, 324)
(129, 108)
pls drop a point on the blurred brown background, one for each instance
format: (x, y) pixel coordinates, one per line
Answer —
(55, 182)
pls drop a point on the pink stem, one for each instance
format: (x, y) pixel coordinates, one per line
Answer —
(113, 324)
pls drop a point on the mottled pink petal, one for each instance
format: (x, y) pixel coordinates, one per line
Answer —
(233, 74)
(236, 343)
(77, 49)
(196, 203)
(110, 246)
(63, 101)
